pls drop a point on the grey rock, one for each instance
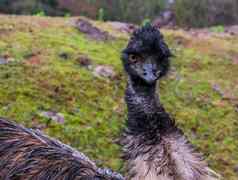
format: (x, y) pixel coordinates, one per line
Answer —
(3, 61)
(91, 31)
(104, 71)
(56, 117)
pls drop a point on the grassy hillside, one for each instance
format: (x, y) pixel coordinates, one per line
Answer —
(42, 69)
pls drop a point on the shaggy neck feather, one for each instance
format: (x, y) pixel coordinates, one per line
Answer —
(145, 114)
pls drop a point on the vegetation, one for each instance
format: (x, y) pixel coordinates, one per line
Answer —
(217, 29)
(103, 10)
(43, 72)
(206, 12)
(187, 12)
(30, 7)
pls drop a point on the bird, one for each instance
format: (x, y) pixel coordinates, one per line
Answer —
(154, 148)
(27, 154)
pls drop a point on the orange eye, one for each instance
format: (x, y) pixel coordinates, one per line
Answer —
(133, 58)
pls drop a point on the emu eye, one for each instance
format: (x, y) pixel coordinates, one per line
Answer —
(133, 58)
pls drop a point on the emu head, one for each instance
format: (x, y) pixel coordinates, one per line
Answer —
(146, 57)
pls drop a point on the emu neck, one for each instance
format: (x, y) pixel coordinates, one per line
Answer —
(145, 113)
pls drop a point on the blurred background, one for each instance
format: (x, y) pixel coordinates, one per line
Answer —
(186, 13)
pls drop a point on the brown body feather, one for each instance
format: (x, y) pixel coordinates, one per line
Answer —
(172, 158)
(28, 154)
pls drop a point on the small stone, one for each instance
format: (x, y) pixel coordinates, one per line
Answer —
(236, 169)
(57, 117)
(3, 61)
(217, 88)
(104, 71)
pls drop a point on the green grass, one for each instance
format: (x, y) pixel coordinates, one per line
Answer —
(37, 79)
(217, 29)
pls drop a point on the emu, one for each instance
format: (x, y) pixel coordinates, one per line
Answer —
(153, 147)
(29, 154)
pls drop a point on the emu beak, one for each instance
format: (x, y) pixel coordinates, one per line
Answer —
(150, 75)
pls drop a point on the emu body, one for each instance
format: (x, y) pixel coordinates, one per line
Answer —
(28, 154)
(154, 148)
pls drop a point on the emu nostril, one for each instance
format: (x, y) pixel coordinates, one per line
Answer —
(158, 73)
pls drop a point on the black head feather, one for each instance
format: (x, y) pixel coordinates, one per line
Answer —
(146, 57)
(148, 39)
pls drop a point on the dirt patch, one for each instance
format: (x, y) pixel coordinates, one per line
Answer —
(44, 23)
(6, 30)
(84, 61)
(91, 31)
(235, 59)
(205, 33)
(195, 66)
(33, 60)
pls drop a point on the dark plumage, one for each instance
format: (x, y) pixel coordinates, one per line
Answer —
(147, 42)
(154, 148)
(29, 154)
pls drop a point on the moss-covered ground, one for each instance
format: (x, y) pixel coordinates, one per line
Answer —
(201, 91)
